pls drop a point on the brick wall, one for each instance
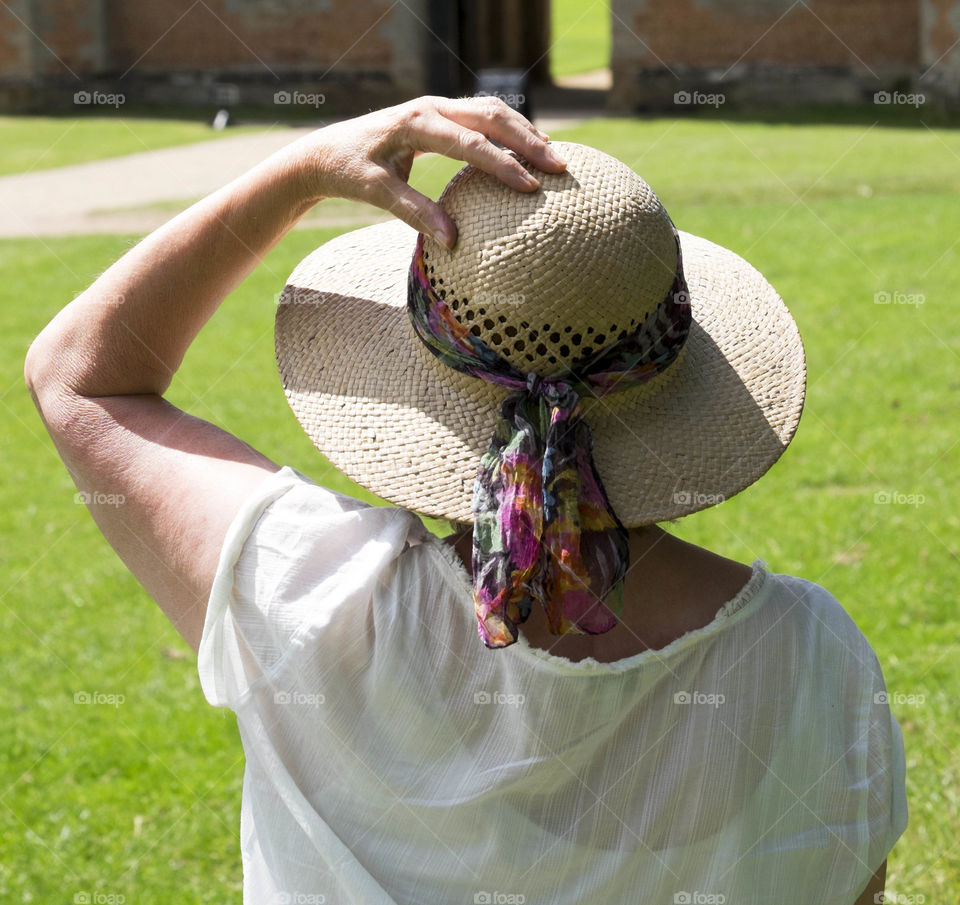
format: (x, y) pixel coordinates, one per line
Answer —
(719, 32)
(72, 32)
(769, 51)
(15, 39)
(371, 52)
(360, 52)
(233, 34)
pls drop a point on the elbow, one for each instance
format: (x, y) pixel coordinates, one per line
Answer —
(43, 373)
(34, 367)
(40, 373)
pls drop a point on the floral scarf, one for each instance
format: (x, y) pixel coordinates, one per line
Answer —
(543, 526)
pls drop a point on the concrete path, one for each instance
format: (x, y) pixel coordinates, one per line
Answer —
(138, 192)
(91, 197)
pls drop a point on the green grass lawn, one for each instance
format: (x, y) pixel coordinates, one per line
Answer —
(39, 142)
(580, 32)
(142, 799)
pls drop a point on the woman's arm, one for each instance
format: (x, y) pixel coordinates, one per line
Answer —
(129, 331)
(873, 891)
(98, 370)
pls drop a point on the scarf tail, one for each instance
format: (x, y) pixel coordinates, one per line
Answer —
(543, 526)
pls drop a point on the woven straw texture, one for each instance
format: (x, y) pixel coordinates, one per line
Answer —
(544, 278)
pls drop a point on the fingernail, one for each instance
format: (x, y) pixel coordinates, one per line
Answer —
(543, 135)
(554, 157)
(444, 237)
(531, 180)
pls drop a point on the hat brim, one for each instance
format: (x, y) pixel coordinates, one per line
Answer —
(396, 420)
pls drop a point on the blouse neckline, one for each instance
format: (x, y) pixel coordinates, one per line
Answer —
(750, 596)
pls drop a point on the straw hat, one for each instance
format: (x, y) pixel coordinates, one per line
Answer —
(545, 278)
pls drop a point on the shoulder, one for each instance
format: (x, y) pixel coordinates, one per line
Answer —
(812, 604)
(297, 549)
(298, 573)
(797, 606)
(294, 525)
(824, 640)
(799, 615)
(291, 500)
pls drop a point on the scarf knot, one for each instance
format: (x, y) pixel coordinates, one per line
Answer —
(551, 391)
(544, 529)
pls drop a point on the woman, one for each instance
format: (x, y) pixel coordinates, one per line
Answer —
(553, 365)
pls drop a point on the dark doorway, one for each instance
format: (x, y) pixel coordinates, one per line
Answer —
(470, 35)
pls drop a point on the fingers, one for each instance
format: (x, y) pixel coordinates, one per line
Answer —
(407, 204)
(491, 117)
(461, 129)
(443, 136)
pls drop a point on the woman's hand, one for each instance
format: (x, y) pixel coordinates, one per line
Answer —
(369, 158)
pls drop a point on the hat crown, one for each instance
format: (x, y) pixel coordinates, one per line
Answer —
(549, 278)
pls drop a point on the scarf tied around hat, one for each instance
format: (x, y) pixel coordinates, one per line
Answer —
(543, 527)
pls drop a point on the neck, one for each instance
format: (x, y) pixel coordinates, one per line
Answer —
(642, 542)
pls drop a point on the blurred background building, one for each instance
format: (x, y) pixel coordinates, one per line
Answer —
(365, 53)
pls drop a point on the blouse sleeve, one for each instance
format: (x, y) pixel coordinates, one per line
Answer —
(890, 756)
(850, 752)
(298, 565)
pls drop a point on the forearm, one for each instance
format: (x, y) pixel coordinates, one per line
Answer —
(128, 332)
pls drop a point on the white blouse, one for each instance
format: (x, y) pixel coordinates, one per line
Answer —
(392, 758)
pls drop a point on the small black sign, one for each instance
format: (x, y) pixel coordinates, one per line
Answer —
(510, 85)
